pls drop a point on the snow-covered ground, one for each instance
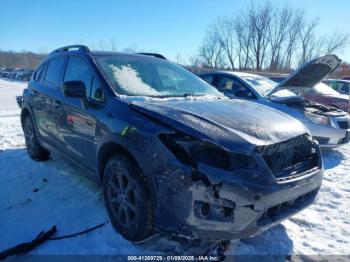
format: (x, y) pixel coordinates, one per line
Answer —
(36, 195)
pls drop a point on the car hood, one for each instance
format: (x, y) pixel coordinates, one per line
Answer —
(236, 125)
(308, 75)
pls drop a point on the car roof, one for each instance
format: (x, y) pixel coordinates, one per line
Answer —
(104, 53)
(98, 53)
(110, 53)
(85, 51)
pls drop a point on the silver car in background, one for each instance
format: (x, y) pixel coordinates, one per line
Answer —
(328, 125)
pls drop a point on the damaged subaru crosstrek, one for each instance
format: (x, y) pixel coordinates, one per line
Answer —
(172, 153)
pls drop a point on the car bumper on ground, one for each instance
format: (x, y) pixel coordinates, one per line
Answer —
(213, 204)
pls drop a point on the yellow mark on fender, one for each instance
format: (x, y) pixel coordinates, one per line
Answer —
(125, 131)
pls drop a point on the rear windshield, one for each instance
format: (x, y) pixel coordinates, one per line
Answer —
(148, 76)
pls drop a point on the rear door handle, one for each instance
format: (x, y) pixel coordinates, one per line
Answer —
(33, 93)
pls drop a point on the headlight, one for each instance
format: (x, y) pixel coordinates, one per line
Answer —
(317, 119)
(191, 151)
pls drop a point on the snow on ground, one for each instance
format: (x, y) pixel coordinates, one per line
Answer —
(36, 195)
(9, 114)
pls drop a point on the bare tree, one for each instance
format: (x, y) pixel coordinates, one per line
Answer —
(179, 59)
(105, 45)
(244, 38)
(223, 29)
(259, 23)
(22, 59)
(130, 50)
(113, 45)
(195, 60)
(211, 51)
(292, 38)
(307, 40)
(267, 36)
(335, 42)
(278, 34)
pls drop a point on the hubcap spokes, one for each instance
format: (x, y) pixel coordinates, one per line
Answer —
(122, 199)
(29, 135)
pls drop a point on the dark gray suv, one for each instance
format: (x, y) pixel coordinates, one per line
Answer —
(172, 153)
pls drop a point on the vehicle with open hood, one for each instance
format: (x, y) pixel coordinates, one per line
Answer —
(172, 153)
(330, 92)
(328, 125)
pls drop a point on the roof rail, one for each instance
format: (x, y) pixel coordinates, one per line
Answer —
(153, 54)
(67, 48)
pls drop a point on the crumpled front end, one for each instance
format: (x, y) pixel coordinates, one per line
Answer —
(240, 200)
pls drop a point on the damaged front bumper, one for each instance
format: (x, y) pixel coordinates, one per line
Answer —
(211, 203)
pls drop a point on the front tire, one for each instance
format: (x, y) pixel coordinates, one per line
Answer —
(126, 198)
(34, 149)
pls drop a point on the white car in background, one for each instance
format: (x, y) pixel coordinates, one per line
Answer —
(328, 125)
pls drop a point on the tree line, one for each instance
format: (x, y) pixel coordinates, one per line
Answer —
(265, 37)
(26, 59)
(20, 59)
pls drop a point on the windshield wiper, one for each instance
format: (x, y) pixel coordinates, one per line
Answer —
(193, 94)
(201, 94)
(185, 95)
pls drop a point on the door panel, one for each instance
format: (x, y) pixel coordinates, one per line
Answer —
(77, 130)
(76, 123)
(43, 111)
(43, 91)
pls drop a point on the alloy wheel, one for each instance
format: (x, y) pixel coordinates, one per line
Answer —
(121, 198)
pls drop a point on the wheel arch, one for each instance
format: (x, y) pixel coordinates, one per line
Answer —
(111, 148)
(24, 113)
(106, 151)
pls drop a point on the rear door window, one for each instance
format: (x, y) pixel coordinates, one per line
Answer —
(54, 69)
(39, 73)
(208, 78)
(230, 86)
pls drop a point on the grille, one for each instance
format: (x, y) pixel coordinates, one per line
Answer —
(291, 158)
(344, 124)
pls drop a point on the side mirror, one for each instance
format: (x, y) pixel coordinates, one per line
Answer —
(74, 89)
(243, 93)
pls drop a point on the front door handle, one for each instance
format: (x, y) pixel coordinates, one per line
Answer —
(57, 104)
(89, 122)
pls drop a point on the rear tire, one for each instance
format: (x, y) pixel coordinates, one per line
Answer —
(127, 202)
(34, 149)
